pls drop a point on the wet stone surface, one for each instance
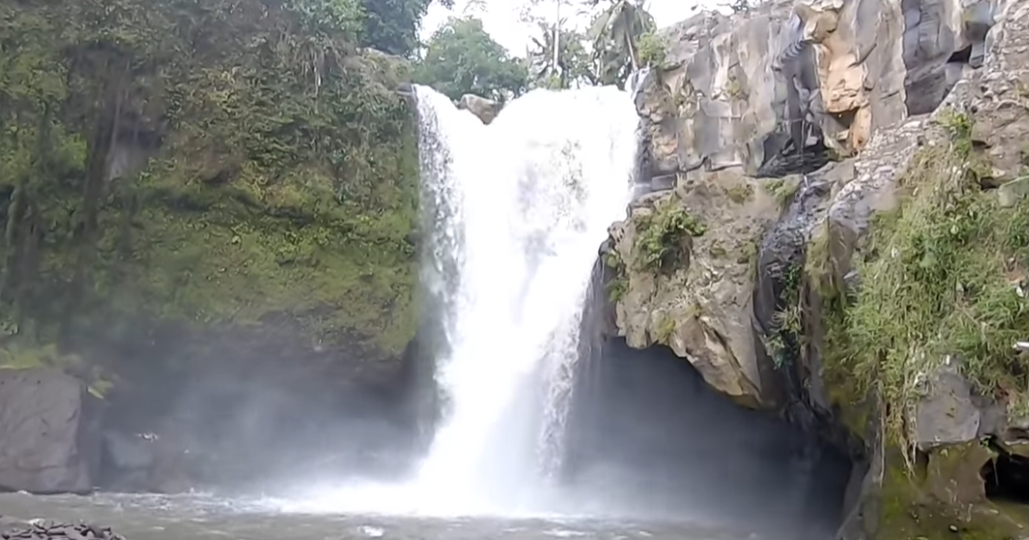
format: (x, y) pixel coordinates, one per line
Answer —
(51, 530)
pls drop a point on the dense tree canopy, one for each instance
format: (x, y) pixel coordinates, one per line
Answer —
(462, 58)
(392, 25)
(619, 41)
(202, 162)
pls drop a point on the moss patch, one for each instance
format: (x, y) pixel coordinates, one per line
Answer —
(911, 512)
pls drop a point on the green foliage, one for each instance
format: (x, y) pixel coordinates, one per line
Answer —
(392, 25)
(616, 288)
(784, 339)
(463, 59)
(616, 34)
(653, 48)
(782, 189)
(959, 126)
(573, 62)
(281, 180)
(663, 236)
(619, 284)
(945, 276)
(332, 16)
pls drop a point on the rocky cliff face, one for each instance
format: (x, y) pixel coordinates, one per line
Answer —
(209, 205)
(784, 88)
(837, 230)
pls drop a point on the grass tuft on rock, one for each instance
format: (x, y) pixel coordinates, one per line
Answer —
(944, 274)
(782, 189)
(665, 235)
(618, 285)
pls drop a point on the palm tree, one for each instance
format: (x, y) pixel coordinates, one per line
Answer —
(558, 57)
(615, 34)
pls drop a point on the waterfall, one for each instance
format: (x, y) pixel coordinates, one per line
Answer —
(528, 200)
(516, 212)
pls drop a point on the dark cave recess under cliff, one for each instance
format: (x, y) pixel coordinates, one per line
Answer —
(649, 431)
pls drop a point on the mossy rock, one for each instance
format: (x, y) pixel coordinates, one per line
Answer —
(941, 276)
(912, 508)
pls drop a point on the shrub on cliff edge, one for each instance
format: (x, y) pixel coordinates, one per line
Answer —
(944, 275)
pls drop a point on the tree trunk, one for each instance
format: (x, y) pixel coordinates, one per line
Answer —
(632, 53)
(557, 39)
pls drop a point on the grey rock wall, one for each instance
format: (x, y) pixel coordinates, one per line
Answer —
(788, 86)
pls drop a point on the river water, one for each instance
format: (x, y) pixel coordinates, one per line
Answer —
(194, 517)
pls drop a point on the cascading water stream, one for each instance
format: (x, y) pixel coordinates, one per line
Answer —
(520, 208)
(537, 189)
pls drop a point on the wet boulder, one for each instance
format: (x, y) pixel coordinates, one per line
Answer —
(49, 439)
(484, 109)
(946, 413)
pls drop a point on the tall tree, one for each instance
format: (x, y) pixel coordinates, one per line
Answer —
(559, 63)
(553, 16)
(463, 59)
(615, 33)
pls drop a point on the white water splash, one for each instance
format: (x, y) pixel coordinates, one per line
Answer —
(521, 207)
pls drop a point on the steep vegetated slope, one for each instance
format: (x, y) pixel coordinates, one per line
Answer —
(204, 192)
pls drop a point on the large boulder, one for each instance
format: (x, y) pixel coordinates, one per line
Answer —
(49, 441)
(684, 263)
(484, 109)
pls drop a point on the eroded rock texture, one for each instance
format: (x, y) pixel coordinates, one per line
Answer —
(700, 304)
(783, 89)
(764, 123)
